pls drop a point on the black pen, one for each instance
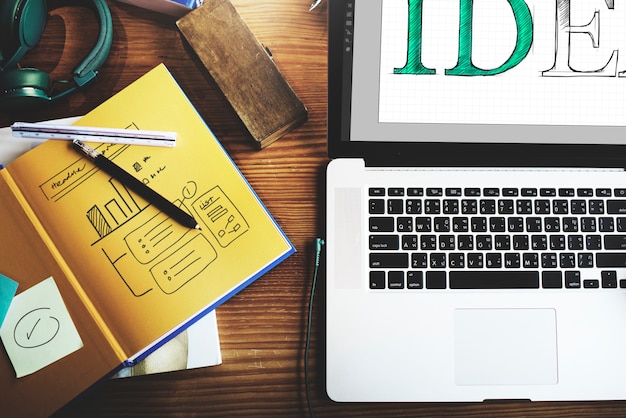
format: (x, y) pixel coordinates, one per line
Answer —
(124, 177)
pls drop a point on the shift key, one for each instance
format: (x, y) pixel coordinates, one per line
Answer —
(611, 259)
(391, 260)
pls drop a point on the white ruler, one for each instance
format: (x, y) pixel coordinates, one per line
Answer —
(90, 134)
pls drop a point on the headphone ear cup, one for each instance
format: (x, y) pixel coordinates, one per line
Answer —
(23, 88)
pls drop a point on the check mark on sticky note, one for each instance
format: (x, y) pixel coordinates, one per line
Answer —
(7, 291)
(38, 329)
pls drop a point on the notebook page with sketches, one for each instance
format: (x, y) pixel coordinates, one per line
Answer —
(202, 341)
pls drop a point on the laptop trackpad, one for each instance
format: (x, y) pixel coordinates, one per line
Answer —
(505, 346)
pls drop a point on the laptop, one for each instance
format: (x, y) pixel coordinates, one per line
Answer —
(476, 201)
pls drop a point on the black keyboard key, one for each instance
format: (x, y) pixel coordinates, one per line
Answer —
(413, 206)
(460, 224)
(434, 191)
(615, 242)
(428, 242)
(395, 280)
(384, 242)
(506, 206)
(382, 224)
(441, 224)
(531, 260)
(551, 280)
(606, 224)
(478, 224)
(465, 242)
(377, 206)
(395, 191)
(574, 242)
(609, 279)
(542, 207)
(395, 206)
(389, 260)
(549, 260)
(534, 224)
(570, 224)
(493, 260)
(557, 242)
(585, 260)
(566, 192)
(547, 192)
(616, 207)
(423, 224)
(435, 280)
(596, 207)
(512, 260)
(409, 242)
(487, 206)
(453, 191)
(520, 242)
(456, 261)
(497, 224)
(567, 260)
(432, 206)
(591, 284)
(377, 279)
(450, 206)
(578, 207)
(475, 260)
(515, 224)
(438, 260)
(572, 279)
(620, 192)
(524, 206)
(611, 259)
(469, 207)
(419, 260)
(508, 279)
(593, 242)
(415, 191)
(414, 280)
(377, 191)
(587, 224)
(404, 224)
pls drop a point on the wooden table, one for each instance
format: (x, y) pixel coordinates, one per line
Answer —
(262, 329)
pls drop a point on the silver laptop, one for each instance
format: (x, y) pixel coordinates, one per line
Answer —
(476, 200)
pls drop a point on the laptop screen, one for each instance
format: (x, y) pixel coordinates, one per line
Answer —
(482, 82)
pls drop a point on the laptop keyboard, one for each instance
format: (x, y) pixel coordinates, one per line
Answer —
(496, 238)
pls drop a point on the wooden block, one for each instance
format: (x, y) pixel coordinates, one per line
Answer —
(243, 70)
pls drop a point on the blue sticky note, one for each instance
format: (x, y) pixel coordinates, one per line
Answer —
(7, 291)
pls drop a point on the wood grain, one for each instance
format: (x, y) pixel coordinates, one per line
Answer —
(263, 328)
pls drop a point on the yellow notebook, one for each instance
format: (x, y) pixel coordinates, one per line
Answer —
(129, 276)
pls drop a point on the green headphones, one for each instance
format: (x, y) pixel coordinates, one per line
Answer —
(22, 23)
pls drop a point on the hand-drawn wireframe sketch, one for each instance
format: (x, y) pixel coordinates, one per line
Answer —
(169, 253)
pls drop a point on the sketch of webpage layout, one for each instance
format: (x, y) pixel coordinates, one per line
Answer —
(134, 236)
(543, 62)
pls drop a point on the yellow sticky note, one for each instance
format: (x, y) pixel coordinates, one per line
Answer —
(38, 329)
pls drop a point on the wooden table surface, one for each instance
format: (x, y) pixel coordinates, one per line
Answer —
(262, 329)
